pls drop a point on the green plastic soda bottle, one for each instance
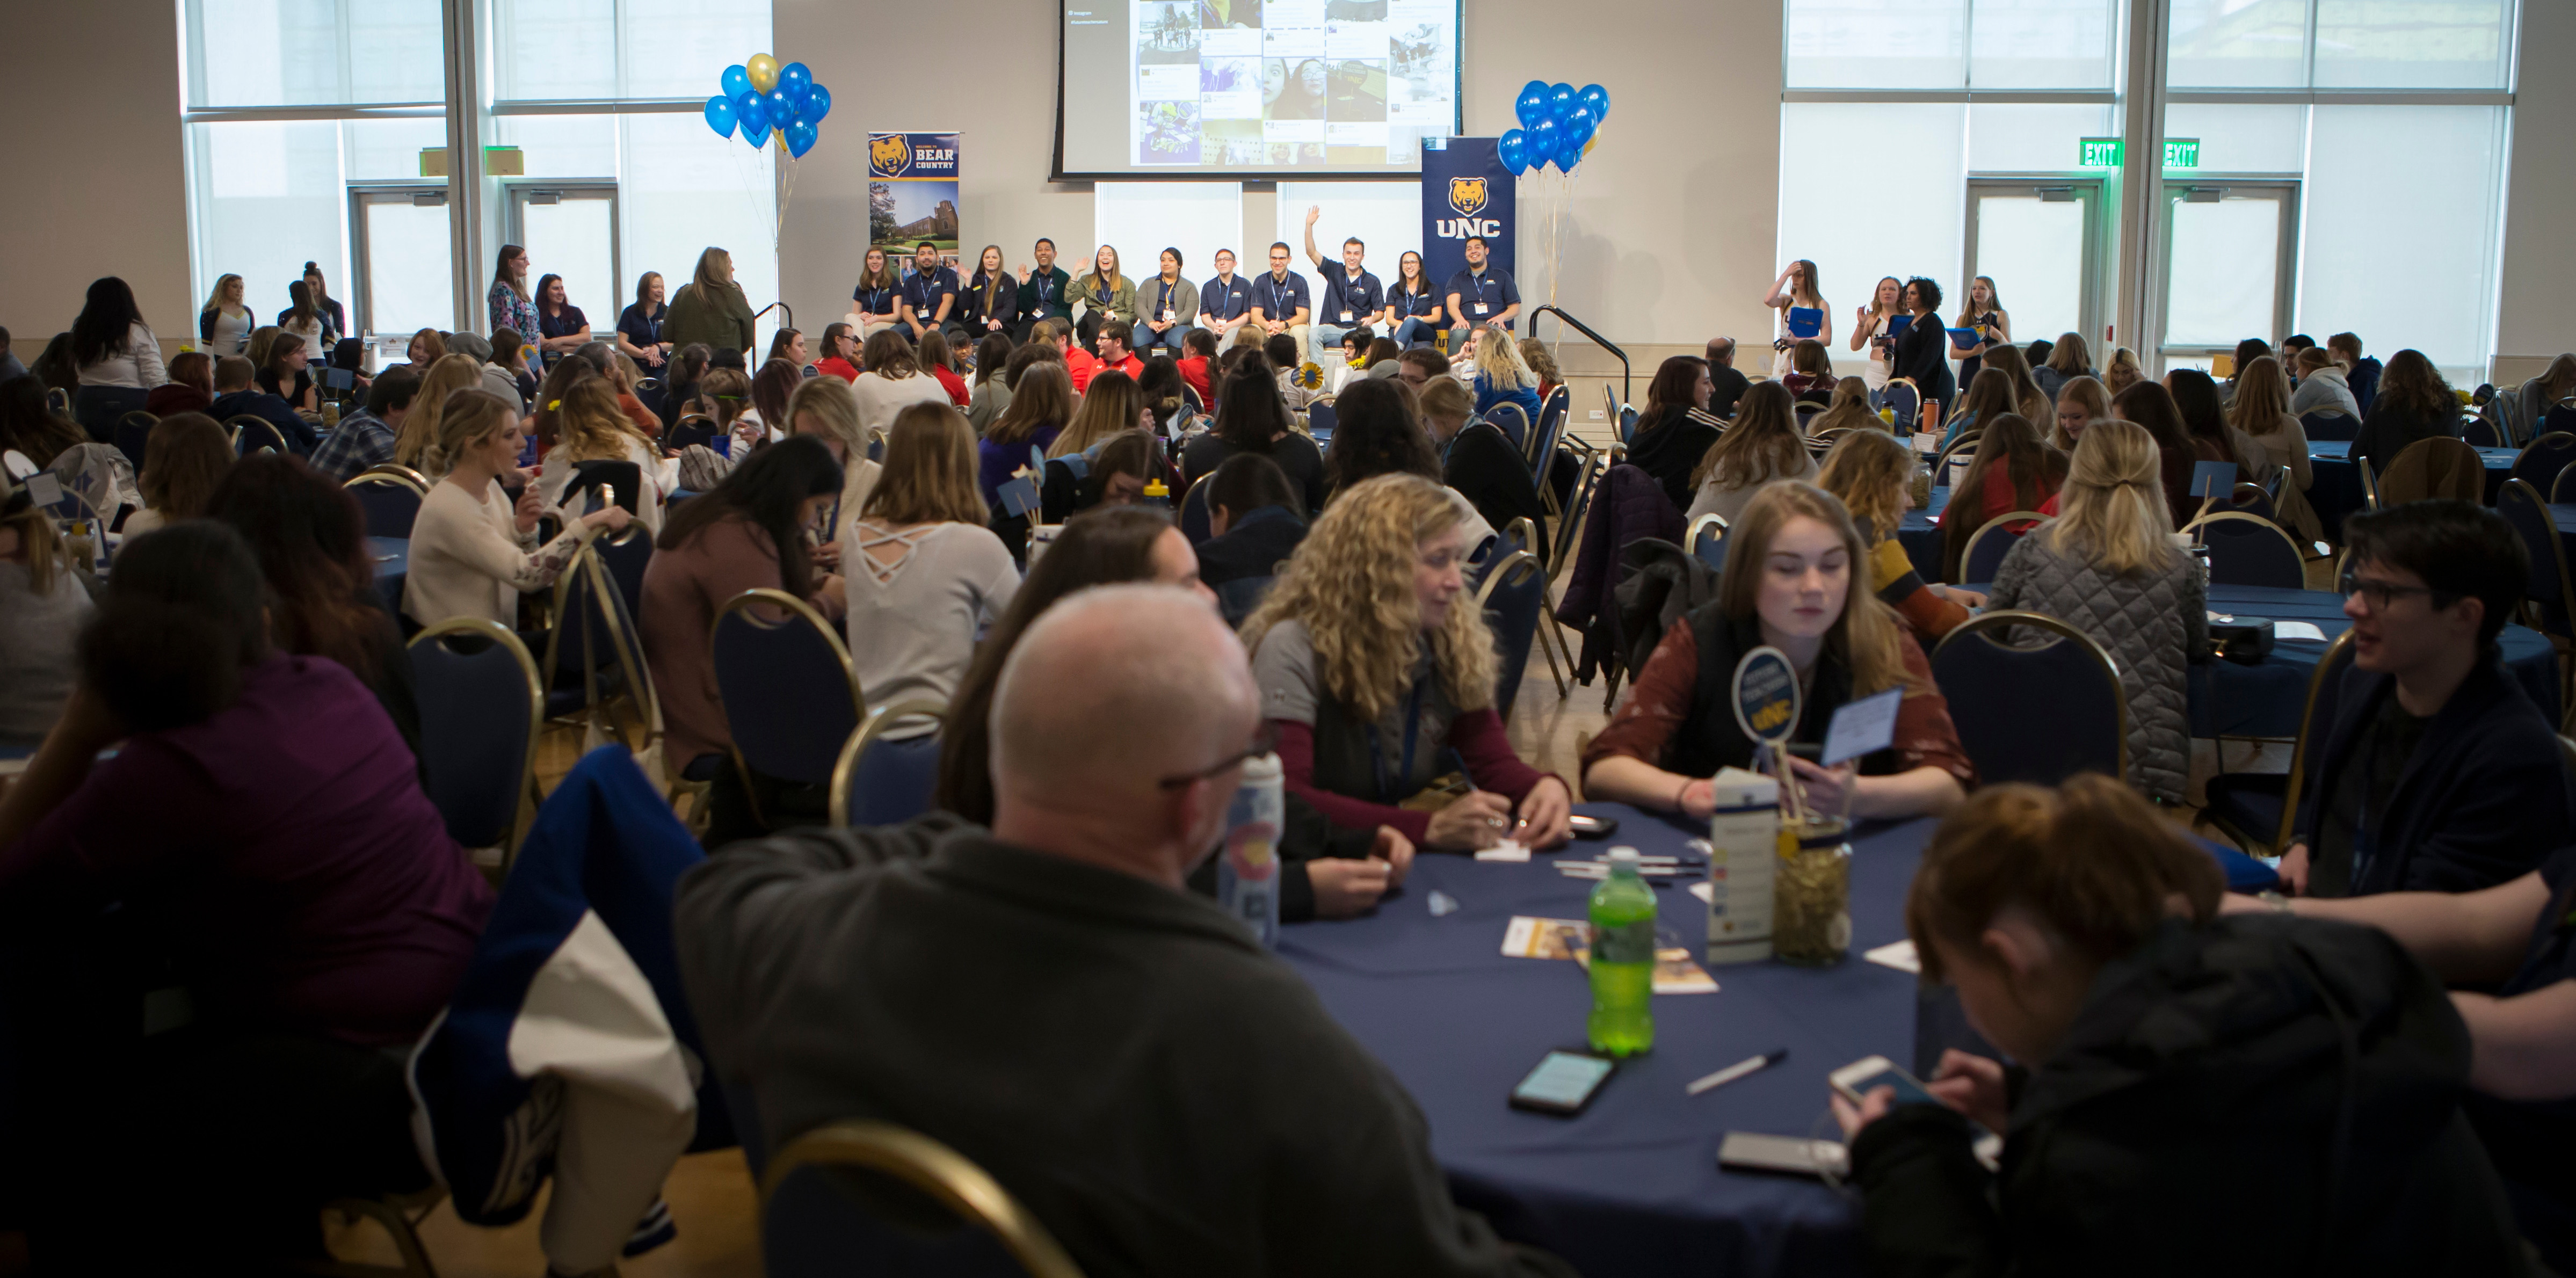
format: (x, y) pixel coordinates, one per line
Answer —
(1623, 960)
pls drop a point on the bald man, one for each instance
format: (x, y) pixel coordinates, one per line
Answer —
(1166, 1096)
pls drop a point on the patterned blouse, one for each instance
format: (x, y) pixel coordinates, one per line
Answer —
(512, 311)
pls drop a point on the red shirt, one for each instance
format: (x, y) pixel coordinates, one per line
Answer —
(1080, 364)
(956, 385)
(837, 367)
(1131, 366)
(1194, 371)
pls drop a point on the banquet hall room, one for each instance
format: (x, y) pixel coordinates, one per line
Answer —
(1359, 637)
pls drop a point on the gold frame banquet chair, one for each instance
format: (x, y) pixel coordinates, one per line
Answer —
(929, 1168)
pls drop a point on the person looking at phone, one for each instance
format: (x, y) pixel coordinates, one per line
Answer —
(1088, 955)
(1788, 584)
(1367, 698)
(2165, 1058)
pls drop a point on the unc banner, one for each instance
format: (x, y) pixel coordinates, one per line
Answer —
(1465, 191)
(912, 191)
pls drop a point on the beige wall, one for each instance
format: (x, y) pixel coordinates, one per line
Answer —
(93, 90)
(1669, 237)
(2536, 317)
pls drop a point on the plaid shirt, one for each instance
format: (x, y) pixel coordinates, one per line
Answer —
(361, 440)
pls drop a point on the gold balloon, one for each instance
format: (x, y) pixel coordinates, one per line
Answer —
(764, 71)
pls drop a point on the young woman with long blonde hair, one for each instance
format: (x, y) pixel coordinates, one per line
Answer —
(2108, 567)
(1869, 329)
(1848, 410)
(225, 322)
(2081, 402)
(1373, 662)
(1797, 289)
(924, 572)
(2122, 372)
(420, 430)
(1983, 311)
(591, 427)
(1873, 473)
(1113, 404)
(1794, 581)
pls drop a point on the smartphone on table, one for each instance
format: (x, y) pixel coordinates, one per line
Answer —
(1562, 1083)
(1856, 1081)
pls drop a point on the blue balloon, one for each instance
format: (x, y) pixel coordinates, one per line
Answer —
(1544, 138)
(818, 103)
(795, 80)
(735, 80)
(720, 116)
(782, 112)
(751, 111)
(800, 139)
(1560, 99)
(1580, 123)
(1531, 106)
(1513, 151)
(1598, 99)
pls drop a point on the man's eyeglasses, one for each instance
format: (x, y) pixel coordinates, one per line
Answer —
(2383, 593)
(1264, 740)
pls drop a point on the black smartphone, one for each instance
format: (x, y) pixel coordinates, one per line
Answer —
(1562, 1083)
(1593, 827)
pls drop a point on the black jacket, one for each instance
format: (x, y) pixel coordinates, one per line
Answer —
(1728, 387)
(1161, 1093)
(1486, 470)
(2386, 430)
(2483, 800)
(1923, 354)
(2259, 1097)
(1252, 546)
(1670, 448)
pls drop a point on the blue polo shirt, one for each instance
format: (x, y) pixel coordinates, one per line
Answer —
(874, 301)
(1415, 305)
(923, 289)
(1278, 301)
(1226, 301)
(1491, 291)
(1348, 301)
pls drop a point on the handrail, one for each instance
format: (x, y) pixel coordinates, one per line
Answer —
(1625, 373)
(782, 308)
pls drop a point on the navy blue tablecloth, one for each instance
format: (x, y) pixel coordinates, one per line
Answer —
(1632, 1185)
(2336, 488)
(392, 556)
(2265, 700)
(1921, 537)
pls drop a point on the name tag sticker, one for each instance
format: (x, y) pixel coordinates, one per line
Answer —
(1346, 317)
(1862, 727)
(1481, 308)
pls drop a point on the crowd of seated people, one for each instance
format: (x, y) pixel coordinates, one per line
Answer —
(1328, 616)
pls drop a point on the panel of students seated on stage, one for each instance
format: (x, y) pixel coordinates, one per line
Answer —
(1255, 86)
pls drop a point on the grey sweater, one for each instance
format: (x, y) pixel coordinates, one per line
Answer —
(1165, 1096)
(37, 662)
(2151, 623)
(2324, 388)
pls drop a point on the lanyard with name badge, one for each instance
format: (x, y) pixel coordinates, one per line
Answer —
(1477, 282)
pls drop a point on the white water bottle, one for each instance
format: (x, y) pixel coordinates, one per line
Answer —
(1247, 871)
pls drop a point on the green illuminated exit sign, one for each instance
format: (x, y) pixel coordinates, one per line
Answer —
(2105, 153)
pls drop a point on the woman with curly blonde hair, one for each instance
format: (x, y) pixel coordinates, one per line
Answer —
(1873, 473)
(419, 432)
(589, 426)
(1373, 661)
(1793, 581)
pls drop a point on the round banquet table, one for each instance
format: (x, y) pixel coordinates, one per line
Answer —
(2265, 700)
(2334, 490)
(1631, 1186)
(392, 556)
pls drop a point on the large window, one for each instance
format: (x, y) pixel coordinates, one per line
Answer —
(2357, 44)
(1952, 44)
(315, 129)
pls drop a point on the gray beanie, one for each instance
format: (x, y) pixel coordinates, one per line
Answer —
(470, 344)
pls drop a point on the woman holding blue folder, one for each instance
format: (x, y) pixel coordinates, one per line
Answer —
(1983, 312)
(1803, 312)
(1922, 350)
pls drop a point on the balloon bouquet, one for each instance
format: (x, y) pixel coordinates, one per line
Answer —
(763, 99)
(1559, 126)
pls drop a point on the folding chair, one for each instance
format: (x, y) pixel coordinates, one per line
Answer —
(2258, 809)
(1707, 541)
(882, 781)
(2249, 550)
(1198, 523)
(778, 664)
(2329, 423)
(1992, 684)
(253, 434)
(1511, 597)
(389, 500)
(1551, 424)
(482, 707)
(1508, 418)
(2540, 461)
(825, 1199)
(1992, 540)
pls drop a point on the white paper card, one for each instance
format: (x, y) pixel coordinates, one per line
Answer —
(2298, 630)
(1512, 850)
(1899, 955)
(1862, 726)
(44, 489)
(1703, 891)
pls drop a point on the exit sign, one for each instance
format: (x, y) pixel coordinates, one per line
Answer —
(2106, 153)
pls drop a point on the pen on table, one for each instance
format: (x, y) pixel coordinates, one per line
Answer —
(1735, 1071)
